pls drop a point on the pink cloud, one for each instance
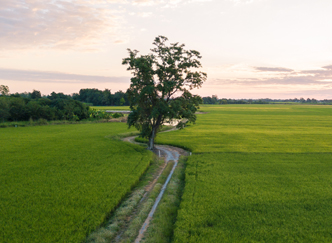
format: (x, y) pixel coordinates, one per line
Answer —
(273, 69)
(320, 78)
(27, 76)
(51, 24)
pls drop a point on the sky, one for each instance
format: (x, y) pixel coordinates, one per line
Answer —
(250, 48)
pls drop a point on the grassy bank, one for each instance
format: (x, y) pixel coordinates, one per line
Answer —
(43, 122)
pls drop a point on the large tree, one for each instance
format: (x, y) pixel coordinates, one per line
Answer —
(160, 87)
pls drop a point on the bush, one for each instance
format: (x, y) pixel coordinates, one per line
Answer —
(4, 109)
(117, 115)
(99, 114)
(41, 121)
(18, 110)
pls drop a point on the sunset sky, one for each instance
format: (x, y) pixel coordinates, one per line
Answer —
(250, 48)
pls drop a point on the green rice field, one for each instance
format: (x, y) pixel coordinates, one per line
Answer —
(58, 183)
(114, 108)
(258, 173)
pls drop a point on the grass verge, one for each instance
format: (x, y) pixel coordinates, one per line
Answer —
(43, 122)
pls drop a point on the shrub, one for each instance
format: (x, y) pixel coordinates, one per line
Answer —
(117, 115)
(41, 121)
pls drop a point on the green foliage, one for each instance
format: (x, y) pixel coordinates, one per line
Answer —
(214, 100)
(117, 115)
(22, 109)
(4, 109)
(61, 182)
(157, 78)
(17, 109)
(4, 89)
(41, 121)
(122, 101)
(257, 174)
(102, 98)
(35, 94)
(54, 96)
(99, 114)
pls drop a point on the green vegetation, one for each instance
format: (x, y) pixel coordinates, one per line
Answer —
(102, 114)
(258, 173)
(59, 183)
(57, 106)
(98, 97)
(159, 91)
(42, 121)
(214, 100)
(35, 107)
(119, 108)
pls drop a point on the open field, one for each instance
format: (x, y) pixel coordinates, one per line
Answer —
(258, 173)
(58, 183)
(120, 108)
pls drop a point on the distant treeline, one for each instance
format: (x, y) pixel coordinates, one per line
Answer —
(93, 97)
(97, 97)
(22, 107)
(57, 106)
(214, 100)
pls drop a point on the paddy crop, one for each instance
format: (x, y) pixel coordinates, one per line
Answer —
(58, 183)
(258, 173)
(118, 108)
(251, 128)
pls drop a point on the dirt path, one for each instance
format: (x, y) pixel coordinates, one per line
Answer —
(171, 154)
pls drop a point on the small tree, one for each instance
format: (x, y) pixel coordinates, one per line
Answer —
(4, 90)
(122, 101)
(35, 94)
(159, 89)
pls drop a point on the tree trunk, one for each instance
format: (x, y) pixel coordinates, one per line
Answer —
(151, 138)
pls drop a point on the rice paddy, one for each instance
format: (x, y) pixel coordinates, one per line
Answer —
(257, 174)
(59, 183)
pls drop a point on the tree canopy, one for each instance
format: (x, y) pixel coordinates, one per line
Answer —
(18, 107)
(99, 97)
(160, 87)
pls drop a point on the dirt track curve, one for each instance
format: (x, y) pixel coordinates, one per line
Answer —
(170, 154)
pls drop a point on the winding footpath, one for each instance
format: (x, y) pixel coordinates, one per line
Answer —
(171, 154)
